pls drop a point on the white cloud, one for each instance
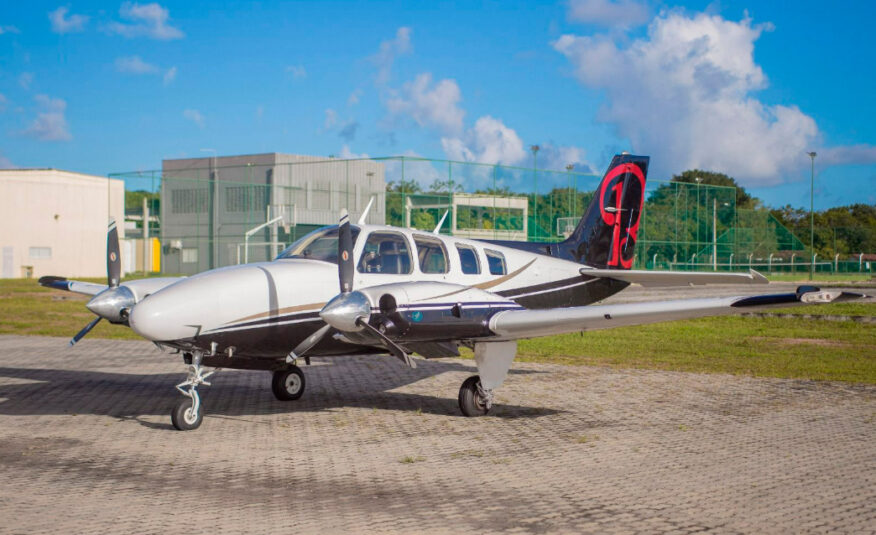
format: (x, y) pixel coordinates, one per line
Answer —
(683, 94)
(135, 65)
(194, 116)
(50, 123)
(331, 119)
(61, 23)
(488, 141)
(430, 105)
(614, 13)
(347, 154)
(169, 76)
(861, 154)
(145, 20)
(9, 29)
(6, 163)
(297, 71)
(389, 51)
(25, 79)
(353, 99)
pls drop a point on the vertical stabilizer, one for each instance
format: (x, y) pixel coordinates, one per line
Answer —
(606, 235)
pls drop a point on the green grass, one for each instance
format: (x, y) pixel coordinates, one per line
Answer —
(28, 308)
(764, 347)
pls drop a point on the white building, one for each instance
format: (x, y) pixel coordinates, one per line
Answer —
(54, 222)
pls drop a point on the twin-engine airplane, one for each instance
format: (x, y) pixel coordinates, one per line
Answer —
(405, 291)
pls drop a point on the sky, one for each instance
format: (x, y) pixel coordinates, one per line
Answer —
(739, 87)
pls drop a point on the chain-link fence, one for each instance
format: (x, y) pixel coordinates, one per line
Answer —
(212, 212)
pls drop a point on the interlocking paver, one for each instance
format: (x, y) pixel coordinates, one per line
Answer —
(86, 446)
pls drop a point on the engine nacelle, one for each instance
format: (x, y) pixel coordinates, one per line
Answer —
(424, 311)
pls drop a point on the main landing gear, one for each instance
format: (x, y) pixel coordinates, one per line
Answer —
(189, 413)
(474, 399)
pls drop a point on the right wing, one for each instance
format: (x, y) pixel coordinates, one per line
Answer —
(517, 324)
(675, 278)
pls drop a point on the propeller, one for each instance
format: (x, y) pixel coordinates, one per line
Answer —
(349, 311)
(114, 303)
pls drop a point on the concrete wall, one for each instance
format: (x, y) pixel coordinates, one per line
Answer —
(55, 221)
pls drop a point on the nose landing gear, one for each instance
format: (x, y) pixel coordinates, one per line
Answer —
(288, 384)
(189, 413)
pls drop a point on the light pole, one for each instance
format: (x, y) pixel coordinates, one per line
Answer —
(812, 217)
(534, 149)
(572, 192)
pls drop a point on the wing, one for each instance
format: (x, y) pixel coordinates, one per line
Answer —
(516, 324)
(60, 283)
(676, 278)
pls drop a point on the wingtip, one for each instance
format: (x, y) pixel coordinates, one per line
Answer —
(757, 277)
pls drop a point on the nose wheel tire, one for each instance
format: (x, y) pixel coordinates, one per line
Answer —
(288, 384)
(471, 402)
(184, 417)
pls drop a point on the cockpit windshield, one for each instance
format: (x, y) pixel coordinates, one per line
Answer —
(321, 244)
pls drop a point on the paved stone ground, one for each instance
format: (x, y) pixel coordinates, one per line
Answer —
(86, 447)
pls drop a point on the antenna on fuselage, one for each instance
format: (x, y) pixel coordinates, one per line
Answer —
(365, 213)
(438, 226)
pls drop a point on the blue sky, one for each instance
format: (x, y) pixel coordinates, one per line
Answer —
(744, 88)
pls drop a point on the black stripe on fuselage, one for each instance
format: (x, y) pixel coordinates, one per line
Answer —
(275, 336)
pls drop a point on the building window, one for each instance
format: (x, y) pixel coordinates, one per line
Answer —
(246, 198)
(190, 256)
(41, 253)
(496, 261)
(431, 255)
(188, 201)
(468, 257)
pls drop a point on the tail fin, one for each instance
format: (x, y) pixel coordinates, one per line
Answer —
(606, 235)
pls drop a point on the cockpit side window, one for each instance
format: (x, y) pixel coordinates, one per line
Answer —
(468, 258)
(321, 244)
(385, 253)
(496, 260)
(431, 255)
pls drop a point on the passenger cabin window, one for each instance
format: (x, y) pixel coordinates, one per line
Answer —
(431, 255)
(496, 260)
(468, 257)
(321, 244)
(386, 253)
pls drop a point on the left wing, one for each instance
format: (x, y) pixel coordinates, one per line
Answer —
(517, 324)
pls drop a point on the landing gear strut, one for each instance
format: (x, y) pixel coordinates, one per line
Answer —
(189, 413)
(288, 384)
(474, 399)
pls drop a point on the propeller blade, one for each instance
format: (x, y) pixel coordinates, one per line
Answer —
(81, 334)
(113, 262)
(345, 253)
(393, 348)
(310, 341)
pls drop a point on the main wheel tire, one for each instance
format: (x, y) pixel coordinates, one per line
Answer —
(183, 418)
(288, 384)
(470, 401)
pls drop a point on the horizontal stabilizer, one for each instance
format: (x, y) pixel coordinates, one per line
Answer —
(676, 278)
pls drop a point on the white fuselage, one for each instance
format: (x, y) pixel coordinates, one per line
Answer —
(261, 309)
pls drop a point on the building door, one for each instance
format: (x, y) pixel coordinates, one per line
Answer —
(7, 263)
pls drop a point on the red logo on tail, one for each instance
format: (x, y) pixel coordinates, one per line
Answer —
(612, 212)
